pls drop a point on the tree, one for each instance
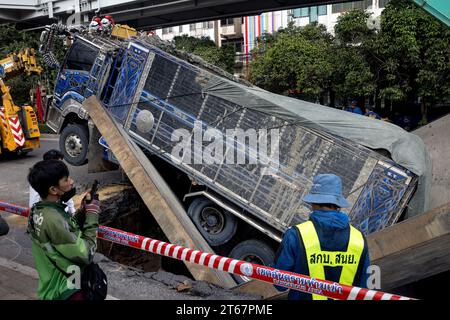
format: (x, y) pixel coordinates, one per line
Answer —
(352, 28)
(298, 58)
(407, 59)
(352, 75)
(205, 48)
(413, 48)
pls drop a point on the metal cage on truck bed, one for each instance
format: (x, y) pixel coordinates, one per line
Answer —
(171, 89)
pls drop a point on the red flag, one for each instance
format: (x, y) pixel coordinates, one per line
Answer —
(39, 109)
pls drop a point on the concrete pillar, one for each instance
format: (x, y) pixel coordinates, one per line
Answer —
(238, 26)
(217, 33)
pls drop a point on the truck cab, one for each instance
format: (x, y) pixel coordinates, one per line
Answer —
(89, 68)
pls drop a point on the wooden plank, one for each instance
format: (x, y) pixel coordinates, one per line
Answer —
(162, 203)
(413, 249)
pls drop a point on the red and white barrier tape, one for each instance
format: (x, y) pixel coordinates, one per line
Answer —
(14, 208)
(280, 278)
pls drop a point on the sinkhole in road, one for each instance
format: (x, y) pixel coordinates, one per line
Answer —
(122, 208)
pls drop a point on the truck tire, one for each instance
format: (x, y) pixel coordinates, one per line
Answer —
(215, 224)
(253, 251)
(73, 143)
(21, 153)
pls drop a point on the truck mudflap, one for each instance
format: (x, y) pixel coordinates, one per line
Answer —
(30, 124)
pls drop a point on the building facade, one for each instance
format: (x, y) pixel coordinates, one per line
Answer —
(243, 32)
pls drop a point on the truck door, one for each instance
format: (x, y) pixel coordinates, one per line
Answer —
(74, 74)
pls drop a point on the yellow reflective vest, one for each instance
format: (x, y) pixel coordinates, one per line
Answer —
(318, 259)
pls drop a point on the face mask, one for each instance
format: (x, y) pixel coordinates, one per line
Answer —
(66, 196)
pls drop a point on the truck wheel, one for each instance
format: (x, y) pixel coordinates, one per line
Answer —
(215, 224)
(253, 251)
(73, 143)
(21, 153)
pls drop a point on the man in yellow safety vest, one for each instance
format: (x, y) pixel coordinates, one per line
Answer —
(325, 247)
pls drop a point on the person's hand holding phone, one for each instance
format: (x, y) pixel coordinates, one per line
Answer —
(90, 202)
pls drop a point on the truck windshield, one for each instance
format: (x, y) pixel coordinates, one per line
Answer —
(81, 57)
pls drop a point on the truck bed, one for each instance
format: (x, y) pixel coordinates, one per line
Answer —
(173, 91)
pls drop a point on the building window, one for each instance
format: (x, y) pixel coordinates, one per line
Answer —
(192, 27)
(239, 46)
(322, 10)
(348, 6)
(180, 29)
(300, 13)
(383, 3)
(208, 25)
(167, 30)
(227, 22)
(313, 17)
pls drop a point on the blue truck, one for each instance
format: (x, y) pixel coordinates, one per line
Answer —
(242, 209)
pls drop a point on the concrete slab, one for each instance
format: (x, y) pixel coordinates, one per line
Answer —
(17, 282)
(436, 137)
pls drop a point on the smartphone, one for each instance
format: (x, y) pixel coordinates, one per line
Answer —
(94, 189)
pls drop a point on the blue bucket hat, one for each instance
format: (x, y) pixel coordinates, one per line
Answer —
(327, 188)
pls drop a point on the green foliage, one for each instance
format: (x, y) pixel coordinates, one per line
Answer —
(351, 27)
(205, 48)
(409, 57)
(352, 73)
(12, 40)
(415, 53)
(298, 58)
(311, 60)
